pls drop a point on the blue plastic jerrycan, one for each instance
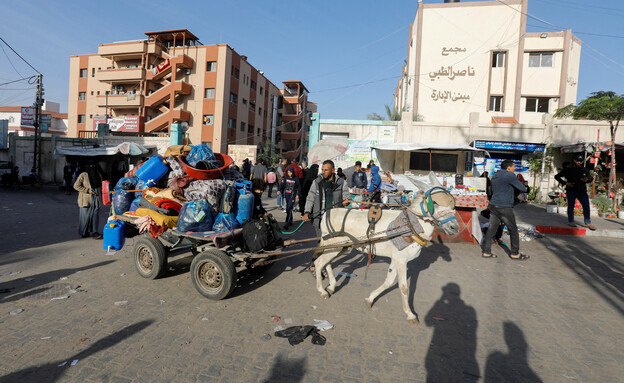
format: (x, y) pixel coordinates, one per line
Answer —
(114, 235)
(245, 203)
(153, 169)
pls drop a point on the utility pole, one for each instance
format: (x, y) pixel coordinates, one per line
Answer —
(37, 124)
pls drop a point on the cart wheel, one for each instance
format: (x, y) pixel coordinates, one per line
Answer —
(150, 258)
(213, 274)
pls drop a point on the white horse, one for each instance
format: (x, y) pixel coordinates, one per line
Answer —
(432, 205)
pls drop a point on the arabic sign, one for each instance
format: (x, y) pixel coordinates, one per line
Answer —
(120, 124)
(450, 73)
(360, 150)
(28, 116)
(240, 152)
(447, 95)
(520, 146)
(456, 50)
(387, 133)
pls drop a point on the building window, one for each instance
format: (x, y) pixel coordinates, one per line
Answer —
(250, 129)
(242, 126)
(83, 73)
(258, 131)
(260, 91)
(537, 104)
(92, 72)
(498, 59)
(259, 111)
(235, 72)
(231, 123)
(208, 119)
(496, 103)
(244, 101)
(233, 98)
(252, 106)
(541, 59)
(82, 96)
(91, 93)
(209, 93)
(211, 66)
(439, 162)
(253, 84)
(81, 119)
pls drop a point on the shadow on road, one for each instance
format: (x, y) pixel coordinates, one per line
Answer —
(51, 372)
(286, 370)
(20, 288)
(513, 366)
(451, 356)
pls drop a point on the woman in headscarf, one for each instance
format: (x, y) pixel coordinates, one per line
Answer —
(89, 187)
(310, 176)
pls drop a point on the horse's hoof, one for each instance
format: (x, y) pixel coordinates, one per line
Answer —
(414, 321)
(330, 289)
(369, 303)
(324, 295)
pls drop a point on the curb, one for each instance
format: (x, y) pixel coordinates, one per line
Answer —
(579, 231)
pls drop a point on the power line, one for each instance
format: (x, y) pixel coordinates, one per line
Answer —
(10, 62)
(21, 79)
(587, 6)
(18, 55)
(557, 26)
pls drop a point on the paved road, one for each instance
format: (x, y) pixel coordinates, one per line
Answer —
(555, 318)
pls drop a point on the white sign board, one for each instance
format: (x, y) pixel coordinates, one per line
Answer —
(240, 152)
(387, 134)
(28, 116)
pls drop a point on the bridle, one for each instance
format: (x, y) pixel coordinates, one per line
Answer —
(436, 196)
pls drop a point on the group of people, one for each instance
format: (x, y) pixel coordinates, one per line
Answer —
(506, 189)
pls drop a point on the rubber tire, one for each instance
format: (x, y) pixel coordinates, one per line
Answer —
(158, 254)
(221, 263)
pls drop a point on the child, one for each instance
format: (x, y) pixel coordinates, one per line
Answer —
(271, 180)
(290, 190)
(257, 186)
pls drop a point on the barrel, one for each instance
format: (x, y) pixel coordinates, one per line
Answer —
(153, 169)
(114, 235)
(244, 211)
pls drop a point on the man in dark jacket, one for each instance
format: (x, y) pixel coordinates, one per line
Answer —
(327, 191)
(575, 179)
(358, 179)
(501, 209)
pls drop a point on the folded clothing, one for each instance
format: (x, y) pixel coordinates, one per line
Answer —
(150, 193)
(147, 224)
(176, 150)
(160, 219)
(150, 204)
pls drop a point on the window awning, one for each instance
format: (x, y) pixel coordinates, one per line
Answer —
(410, 147)
(127, 148)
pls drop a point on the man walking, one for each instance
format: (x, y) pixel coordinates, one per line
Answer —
(575, 179)
(259, 172)
(501, 209)
(327, 191)
(358, 179)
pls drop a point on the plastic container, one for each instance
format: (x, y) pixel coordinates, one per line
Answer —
(244, 211)
(153, 169)
(207, 174)
(114, 235)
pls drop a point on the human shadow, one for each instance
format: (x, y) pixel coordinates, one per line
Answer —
(451, 355)
(513, 366)
(20, 288)
(53, 371)
(286, 370)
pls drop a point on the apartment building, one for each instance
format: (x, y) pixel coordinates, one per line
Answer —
(466, 57)
(294, 112)
(144, 86)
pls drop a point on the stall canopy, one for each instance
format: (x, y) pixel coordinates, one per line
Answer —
(410, 147)
(127, 148)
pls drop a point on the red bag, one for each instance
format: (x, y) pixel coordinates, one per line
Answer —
(106, 193)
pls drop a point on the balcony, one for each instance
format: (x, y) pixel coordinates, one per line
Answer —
(131, 49)
(121, 75)
(291, 135)
(120, 101)
(164, 93)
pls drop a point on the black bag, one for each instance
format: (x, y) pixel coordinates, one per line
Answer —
(257, 235)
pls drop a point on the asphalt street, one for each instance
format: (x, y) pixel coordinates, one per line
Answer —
(555, 318)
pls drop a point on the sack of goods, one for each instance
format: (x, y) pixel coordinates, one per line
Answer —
(195, 216)
(258, 235)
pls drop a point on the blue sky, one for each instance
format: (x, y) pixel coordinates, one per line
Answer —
(347, 53)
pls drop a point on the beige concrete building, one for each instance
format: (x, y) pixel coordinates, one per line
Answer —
(146, 85)
(466, 57)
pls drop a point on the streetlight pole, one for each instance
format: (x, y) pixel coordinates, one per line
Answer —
(37, 125)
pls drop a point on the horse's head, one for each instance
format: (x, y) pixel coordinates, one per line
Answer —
(437, 204)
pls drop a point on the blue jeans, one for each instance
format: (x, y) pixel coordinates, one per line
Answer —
(506, 215)
(280, 200)
(583, 199)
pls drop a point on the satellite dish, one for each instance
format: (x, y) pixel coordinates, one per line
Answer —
(184, 126)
